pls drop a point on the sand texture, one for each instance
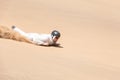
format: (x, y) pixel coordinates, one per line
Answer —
(90, 40)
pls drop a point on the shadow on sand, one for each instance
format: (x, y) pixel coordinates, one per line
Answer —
(56, 46)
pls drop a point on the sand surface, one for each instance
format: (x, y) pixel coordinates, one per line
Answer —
(90, 38)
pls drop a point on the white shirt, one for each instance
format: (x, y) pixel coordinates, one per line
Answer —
(40, 38)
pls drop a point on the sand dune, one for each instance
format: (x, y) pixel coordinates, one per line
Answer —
(90, 38)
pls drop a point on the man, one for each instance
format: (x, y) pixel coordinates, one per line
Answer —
(41, 39)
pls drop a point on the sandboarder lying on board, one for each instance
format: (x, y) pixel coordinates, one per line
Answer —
(40, 39)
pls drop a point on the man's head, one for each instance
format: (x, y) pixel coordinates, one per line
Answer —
(55, 35)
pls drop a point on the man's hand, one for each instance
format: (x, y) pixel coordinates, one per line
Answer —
(56, 44)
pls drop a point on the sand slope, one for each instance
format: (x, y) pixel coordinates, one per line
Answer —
(90, 39)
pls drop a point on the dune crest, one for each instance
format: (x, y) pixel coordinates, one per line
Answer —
(7, 33)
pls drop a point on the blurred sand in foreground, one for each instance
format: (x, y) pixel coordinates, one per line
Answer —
(90, 38)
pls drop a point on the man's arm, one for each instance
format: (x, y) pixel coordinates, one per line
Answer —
(55, 44)
(40, 43)
(44, 44)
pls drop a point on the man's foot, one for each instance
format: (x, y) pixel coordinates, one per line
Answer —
(13, 27)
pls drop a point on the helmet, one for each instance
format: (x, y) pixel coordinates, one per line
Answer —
(55, 33)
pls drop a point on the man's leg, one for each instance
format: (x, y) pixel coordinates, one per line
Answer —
(19, 31)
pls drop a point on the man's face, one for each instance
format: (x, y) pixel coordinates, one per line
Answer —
(55, 38)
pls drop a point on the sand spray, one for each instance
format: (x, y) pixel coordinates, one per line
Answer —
(7, 33)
